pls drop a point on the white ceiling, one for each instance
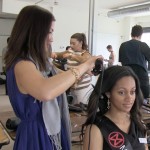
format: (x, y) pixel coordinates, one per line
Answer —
(114, 4)
(104, 4)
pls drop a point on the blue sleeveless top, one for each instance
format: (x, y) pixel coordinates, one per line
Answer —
(31, 132)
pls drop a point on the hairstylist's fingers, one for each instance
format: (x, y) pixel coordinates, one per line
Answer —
(100, 57)
(92, 61)
(53, 55)
(90, 73)
(92, 65)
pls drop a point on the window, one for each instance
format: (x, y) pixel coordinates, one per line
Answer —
(146, 38)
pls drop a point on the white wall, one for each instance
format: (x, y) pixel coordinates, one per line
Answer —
(69, 21)
(5, 30)
(107, 31)
(14, 7)
(114, 31)
(144, 21)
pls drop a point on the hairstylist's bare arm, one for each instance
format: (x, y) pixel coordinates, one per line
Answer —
(30, 80)
(95, 138)
(81, 58)
(57, 55)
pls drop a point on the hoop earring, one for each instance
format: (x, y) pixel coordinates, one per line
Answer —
(108, 104)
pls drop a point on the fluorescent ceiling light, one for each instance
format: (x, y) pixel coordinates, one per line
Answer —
(129, 11)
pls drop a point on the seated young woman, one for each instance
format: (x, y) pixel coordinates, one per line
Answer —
(114, 119)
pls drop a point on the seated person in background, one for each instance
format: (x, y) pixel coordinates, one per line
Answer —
(114, 119)
(111, 56)
(78, 55)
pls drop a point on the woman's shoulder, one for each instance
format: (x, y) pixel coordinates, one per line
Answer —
(95, 136)
(24, 62)
(86, 53)
(19, 62)
(94, 130)
(99, 120)
(24, 65)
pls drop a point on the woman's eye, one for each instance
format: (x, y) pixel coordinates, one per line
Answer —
(50, 32)
(132, 92)
(121, 92)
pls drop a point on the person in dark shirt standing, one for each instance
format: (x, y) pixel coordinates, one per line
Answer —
(136, 54)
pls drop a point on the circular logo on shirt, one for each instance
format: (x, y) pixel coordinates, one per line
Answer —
(116, 139)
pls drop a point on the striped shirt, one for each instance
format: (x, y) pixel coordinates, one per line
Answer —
(85, 80)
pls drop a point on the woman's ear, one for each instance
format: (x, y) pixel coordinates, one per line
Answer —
(107, 94)
(81, 43)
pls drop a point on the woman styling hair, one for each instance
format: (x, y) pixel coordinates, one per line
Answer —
(78, 55)
(35, 90)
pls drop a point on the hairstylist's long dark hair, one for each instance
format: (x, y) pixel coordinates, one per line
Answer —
(97, 105)
(28, 36)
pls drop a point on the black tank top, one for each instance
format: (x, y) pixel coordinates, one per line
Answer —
(116, 139)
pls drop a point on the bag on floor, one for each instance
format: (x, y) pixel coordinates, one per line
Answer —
(12, 123)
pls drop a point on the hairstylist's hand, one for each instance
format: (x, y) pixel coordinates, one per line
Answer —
(91, 63)
(67, 55)
(53, 55)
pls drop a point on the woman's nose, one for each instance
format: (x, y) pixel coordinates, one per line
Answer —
(129, 96)
(51, 39)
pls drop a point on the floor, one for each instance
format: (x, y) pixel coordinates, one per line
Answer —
(5, 106)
